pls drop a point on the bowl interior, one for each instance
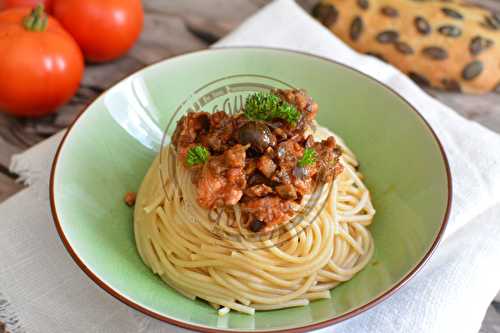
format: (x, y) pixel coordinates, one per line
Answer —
(109, 149)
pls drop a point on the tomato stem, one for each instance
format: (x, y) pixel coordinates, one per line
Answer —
(36, 20)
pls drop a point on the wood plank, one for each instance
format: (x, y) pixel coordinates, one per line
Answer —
(484, 109)
(7, 149)
(214, 10)
(8, 187)
(212, 20)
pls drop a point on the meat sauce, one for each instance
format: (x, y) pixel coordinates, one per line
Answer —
(265, 166)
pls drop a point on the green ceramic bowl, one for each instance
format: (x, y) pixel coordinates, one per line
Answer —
(109, 148)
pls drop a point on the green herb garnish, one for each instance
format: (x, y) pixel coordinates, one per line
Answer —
(197, 155)
(267, 106)
(309, 157)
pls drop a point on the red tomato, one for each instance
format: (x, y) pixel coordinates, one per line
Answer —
(25, 3)
(40, 64)
(104, 29)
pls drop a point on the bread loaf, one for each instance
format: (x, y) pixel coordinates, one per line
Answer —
(444, 44)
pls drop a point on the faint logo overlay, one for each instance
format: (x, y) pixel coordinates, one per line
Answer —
(229, 94)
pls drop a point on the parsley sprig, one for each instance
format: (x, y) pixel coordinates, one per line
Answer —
(197, 155)
(267, 106)
(309, 157)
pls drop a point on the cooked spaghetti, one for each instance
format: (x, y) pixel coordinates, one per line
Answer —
(232, 264)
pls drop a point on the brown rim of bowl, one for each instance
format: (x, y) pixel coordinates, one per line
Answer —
(324, 323)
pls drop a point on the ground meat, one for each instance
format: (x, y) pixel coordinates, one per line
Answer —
(266, 165)
(250, 167)
(304, 185)
(189, 127)
(257, 178)
(232, 195)
(260, 190)
(257, 163)
(221, 130)
(210, 188)
(129, 198)
(289, 152)
(282, 176)
(270, 209)
(304, 104)
(222, 179)
(327, 161)
(236, 177)
(286, 191)
(235, 157)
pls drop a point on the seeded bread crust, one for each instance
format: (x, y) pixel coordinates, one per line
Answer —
(444, 44)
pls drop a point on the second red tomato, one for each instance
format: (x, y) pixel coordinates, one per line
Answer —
(105, 30)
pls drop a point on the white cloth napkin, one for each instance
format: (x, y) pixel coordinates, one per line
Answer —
(48, 293)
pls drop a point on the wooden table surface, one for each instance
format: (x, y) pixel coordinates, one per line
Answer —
(171, 28)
